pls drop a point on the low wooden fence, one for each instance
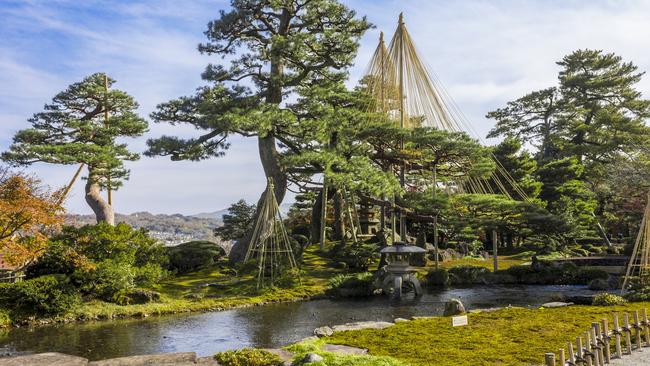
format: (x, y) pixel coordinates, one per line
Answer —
(9, 276)
(599, 345)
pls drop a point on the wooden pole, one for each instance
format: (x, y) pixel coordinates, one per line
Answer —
(637, 330)
(579, 350)
(588, 353)
(110, 192)
(550, 359)
(646, 326)
(617, 337)
(67, 189)
(495, 251)
(626, 329)
(435, 217)
(323, 215)
(605, 329)
(572, 356)
(596, 349)
(561, 357)
(402, 174)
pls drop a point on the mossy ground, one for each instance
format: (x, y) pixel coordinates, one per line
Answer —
(333, 359)
(505, 262)
(514, 336)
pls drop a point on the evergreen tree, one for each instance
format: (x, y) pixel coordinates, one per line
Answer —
(281, 46)
(73, 129)
(238, 222)
(519, 165)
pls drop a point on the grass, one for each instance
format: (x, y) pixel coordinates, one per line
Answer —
(513, 336)
(505, 262)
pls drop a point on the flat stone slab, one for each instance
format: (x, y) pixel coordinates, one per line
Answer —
(361, 325)
(44, 359)
(180, 358)
(556, 304)
(344, 350)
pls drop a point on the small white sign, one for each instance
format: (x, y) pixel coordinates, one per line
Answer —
(458, 321)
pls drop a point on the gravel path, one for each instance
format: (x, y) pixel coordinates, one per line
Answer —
(635, 359)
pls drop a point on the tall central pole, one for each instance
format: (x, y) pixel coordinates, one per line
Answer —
(382, 212)
(402, 173)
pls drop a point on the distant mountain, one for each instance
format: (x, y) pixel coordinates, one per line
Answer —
(218, 215)
(171, 229)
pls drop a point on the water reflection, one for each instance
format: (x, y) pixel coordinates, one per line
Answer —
(266, 326)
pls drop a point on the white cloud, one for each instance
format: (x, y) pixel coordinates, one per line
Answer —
(486, 53)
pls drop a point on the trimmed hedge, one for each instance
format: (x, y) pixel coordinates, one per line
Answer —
(194, 255)
(46, 295)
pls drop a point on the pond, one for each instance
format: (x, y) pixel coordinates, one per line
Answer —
(266, 326)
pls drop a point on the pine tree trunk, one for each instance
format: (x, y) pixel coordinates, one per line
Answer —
(103, 211)
(316, 216)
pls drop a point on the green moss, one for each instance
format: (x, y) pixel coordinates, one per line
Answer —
(248, 357)
(334, 359)
(512, 336)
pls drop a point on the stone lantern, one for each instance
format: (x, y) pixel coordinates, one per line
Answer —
(398, 270)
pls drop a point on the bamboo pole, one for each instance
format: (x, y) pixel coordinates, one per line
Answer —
(626, 329)
(495, 250)
(402, 174)
(435, 217)
(605, 329)
(323, 214)
(617, 337)
(637, 330)
(646, 326)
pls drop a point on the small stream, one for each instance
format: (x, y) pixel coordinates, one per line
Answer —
(266, 326)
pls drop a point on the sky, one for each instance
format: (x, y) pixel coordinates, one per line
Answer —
(486, 53)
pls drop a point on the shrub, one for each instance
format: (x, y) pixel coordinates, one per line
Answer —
(598, 284)
(46, 295)
(194, 255)
(585, 275)
(149, 275)
(437, 277)
(607, 299)
(248, 357)
(288, 278)
(360, 284)
(58, 259)
(638, 293)
(357, 257)
(464, 275)
(108, 279)
(136, 296)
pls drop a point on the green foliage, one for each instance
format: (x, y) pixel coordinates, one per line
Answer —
(607, 299)
(248, 357)
(638, 293)
(44, 296)
(466, 275)
(300, 350)
(549, 274)
(237, 222)
(135, 296)
(106, 280)
(57, 259)
(359, 284)
(357, 256)
(438, 277)
(194, 255)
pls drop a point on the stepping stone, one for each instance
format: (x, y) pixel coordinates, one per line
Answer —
(176, 359)
(361, 325)
(344, 350)
(44, 359)
(556, 304)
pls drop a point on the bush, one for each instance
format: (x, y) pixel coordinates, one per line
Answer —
(194, 255)
(149, 275)
(288, 278)
(437, 277)
(46, 295)
(598, 285)
(585, 275)
(248, 357)
(58, 259)
(107, 280)
(357, 257)
(360, 284)
(465, 275)
(607, 299)
(136, 296)
(638, 293)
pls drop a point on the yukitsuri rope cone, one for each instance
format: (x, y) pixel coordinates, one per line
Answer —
(595, 346)
(638, 268)
(270, 245)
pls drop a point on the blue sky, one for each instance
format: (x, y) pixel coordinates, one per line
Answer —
(485, 52)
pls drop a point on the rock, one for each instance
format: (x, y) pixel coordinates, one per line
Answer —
(323, 331)
(176, 359)
(139, 296)
(344, 350)
(207, 361)
(400, 320)
(44, 359)
(556, 304)
(361, 325)
(311, 357)
(454, 307)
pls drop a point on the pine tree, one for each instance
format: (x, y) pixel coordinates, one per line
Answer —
(237, 222)
(73, 129)
(519, 165)
(281, 45)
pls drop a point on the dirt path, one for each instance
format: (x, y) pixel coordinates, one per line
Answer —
(637, 358)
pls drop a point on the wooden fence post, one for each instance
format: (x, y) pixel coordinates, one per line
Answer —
(562, 358)
(597, 343)
(606, 338)
(646, 326)
(626, 329)
(579, 354)
(617, 334)
(588, 353)
(572, 356)
(550, 359)
(637, 328)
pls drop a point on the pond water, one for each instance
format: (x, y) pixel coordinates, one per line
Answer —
(272, 325)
